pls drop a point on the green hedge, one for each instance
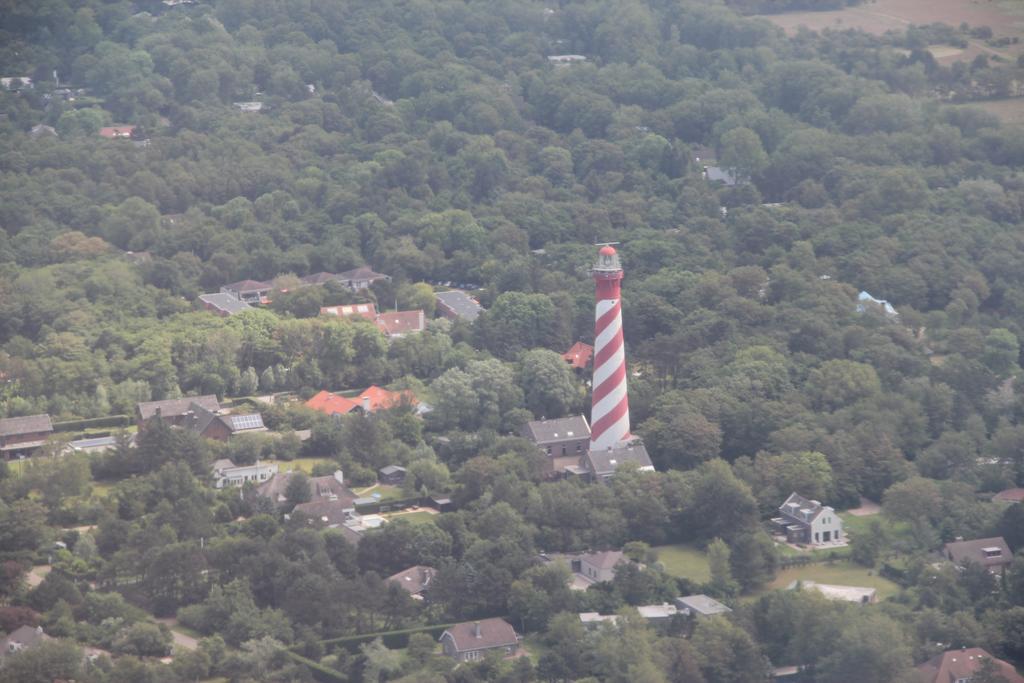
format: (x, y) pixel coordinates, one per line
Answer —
(93, 423)
(320, 672)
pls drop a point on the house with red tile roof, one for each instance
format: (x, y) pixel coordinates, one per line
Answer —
(117, 132)
(472, 640)
(331, 404)
(400, 323)
(954, 666)
(578, 357)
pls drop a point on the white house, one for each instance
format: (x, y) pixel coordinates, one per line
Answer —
(227, 473)
(809, 522)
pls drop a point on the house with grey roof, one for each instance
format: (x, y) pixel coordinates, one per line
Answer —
(563, 440)
(212, 424)
(808, 522)
(20, 639)
(472, 640)
(223, 304)
(590, 567)
(249, 291)
(991, 553)
(414, 580)
(457, 305)
(24, 435)
(600, 465)
(361, 278)
(330, 488)
(700, 605)
(174, 410)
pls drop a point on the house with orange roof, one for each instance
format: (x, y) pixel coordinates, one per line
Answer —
(400, 323)
(116, 132)
(578, 357)
(331, 404)
(373, 399)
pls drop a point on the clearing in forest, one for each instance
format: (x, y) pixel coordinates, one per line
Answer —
(1006, 19)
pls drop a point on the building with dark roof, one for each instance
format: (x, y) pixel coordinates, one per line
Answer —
(414, 580)
(808, 522)
(249, 291)
(600, 465)
(472, 640)
(24, 435)
(22, 638)
(700, 606)
(563, 440)
(393, 475)
(361, 278)
(991, 553)
(174, 410)
(457, 305)
(211, 424)
(330, 487)
(223, 304)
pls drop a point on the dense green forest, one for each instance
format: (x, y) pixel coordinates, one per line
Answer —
(436, 142)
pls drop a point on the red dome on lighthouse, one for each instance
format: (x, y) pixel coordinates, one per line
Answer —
(607, 250)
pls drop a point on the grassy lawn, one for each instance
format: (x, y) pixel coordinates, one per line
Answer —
(818, 555)
(304, 464)
(684, 561)
(102, 490)
(386, 491)
(843, 573)
(413, 517)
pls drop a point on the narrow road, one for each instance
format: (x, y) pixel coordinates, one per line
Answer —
(181, 640)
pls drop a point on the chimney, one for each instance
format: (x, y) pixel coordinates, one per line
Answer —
(366, 404)
(339, 477)
(476, 630)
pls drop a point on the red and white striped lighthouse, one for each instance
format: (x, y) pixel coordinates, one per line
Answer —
(609, 413)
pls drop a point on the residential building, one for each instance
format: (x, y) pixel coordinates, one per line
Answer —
(330, 488)
(600, 465)
(866, 302)
(716, 174)
(22, 638)
(658, 613)
(24, 435)
(861, 595)
(174, 411)
(117, 132)
(331, 514)
(249, 291)
(457, 305)
(1015, 495)
(991, 553)
(472, 640)
(566, 60)
(960, 666)
(414, 580)
(212, 424)
(393, 475)
(563, 440)
(331, 404)
(578, 356)
(16, 82)
(227, 473)
(98, 444)
(400, 323)
(808, 522)
(368, 311)
(249, 107)
(361, 278)
(700, 606)
(593, 619)
(223, 304)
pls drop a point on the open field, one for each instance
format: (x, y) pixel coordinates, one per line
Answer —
(839, 573)
(1005, 18)
(1009, 111)
(684, 561)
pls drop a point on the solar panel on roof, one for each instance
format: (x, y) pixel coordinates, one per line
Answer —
(247, 421)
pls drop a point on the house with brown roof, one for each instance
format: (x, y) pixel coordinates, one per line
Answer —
(361, 278)
(1014, 495)
(212, 424)
(473, 640)
(400, 323)
(578, 356)
(328, 488)
(174, 411)
(24, 435)
(414, 580)
(961, 666)
(249, 291)
(991, 553)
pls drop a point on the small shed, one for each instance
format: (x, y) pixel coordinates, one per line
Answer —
(392, 475)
